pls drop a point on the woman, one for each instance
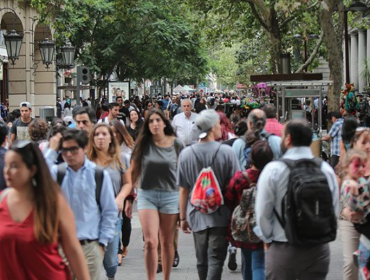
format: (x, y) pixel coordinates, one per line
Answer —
(33, 212)
(202, 105)
(350, 236)
(154, 164)
(227, 131)
(148, 107)
(104, 151)
(126, 142)
(253, 257)
(348, 132)
(67, 112)
(135, 123)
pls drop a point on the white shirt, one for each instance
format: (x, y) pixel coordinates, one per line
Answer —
(105, 120)
(184, 126)
(272, 186)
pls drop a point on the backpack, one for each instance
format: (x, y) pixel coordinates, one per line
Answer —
(206, 196)
(248, 147)
(243, 219)
(308, 216)
(99, 175)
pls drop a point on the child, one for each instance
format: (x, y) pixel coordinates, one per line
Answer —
(355, 194)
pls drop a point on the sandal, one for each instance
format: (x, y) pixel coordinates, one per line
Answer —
(119, 256)
(176, 259)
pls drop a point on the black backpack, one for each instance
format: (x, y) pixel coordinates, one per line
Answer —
(308, 216)
(99, 175)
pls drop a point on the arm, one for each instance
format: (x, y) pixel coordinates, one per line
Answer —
(342, 149)
(238, 148)
(69, 242)
(326, 138)
(184, 196)
(109, 211)
(265, 203)
(12, 139)
(125, 190)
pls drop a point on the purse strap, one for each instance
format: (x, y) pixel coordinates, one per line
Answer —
(3, 194)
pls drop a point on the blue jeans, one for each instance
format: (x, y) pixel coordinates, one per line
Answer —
(253, 264)
(110, 261)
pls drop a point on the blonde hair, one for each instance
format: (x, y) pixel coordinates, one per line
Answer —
(349, 156)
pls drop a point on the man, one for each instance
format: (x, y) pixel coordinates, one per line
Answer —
(95, 223)
(85, 118)
(113, 108)
(3, 143)
(59, 107)
(284, 261)
(335, 135)
(256, 122)
(166, 102)
(272, 125)
(19, 129)
(209, 230)
(183, 122)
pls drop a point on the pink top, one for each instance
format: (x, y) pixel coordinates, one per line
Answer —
(22, 257)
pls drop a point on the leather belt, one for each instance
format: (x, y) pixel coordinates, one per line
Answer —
(87, 241)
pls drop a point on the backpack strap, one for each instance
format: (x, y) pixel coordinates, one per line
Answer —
(214, 157)
(4, 193)
(61, 173)
(288, 162)
(99, 175)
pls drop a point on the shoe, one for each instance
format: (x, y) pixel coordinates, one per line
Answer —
(110, 278)
(176, 260)
(125, 252)
(159, 268)
(119, 257)
(232, 265)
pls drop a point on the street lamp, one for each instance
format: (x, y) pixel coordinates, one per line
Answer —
(355, 6)
(13, 43)
(68, 53)
(47, 50)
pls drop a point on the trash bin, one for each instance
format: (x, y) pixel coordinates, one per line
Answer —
(47, 113)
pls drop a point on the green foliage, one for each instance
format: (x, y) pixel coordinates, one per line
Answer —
(137, 39)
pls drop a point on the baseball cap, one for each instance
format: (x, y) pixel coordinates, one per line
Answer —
(205, 121)
(25, 104)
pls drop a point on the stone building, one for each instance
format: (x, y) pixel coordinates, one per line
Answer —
(28, 79)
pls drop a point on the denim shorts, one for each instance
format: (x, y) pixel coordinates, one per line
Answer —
(165, 202)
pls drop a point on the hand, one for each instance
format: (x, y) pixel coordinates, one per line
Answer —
(119, 202)
(54, 142)
(352, 216)
(128, 209)
(266, 246)
(185, 227)
(102, 250)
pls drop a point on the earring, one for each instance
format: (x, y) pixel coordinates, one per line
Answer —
(34, 183)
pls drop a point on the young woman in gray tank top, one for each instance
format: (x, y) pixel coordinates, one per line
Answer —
(154, 166)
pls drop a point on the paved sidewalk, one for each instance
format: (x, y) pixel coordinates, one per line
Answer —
(133, 267)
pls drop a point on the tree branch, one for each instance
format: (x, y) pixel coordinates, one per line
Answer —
(313, 54)
(295, 14)
(258, 17)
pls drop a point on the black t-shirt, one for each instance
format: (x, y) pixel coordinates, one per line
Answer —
(123, 114)
(20, 129)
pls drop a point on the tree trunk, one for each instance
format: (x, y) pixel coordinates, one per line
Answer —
(276, 46)
(333, 39)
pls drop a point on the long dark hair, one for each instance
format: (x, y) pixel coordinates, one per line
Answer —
(122, 131)
(45, 191)
(143, 139)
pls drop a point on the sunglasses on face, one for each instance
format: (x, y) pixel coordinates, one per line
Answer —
(73, 150)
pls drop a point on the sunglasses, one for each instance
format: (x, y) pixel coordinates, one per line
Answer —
(73, 150)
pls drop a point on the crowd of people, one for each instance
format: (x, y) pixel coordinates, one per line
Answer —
(233, 180)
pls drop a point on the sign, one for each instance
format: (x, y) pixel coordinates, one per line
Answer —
(301, 92)
(118, 89)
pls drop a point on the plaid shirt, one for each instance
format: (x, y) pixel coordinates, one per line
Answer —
(274, 127)
(336, 135)
(233, 195)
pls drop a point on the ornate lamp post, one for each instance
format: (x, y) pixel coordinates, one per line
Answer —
(47, 50)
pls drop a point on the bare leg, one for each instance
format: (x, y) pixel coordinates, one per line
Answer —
(149, 220)
(167, 235)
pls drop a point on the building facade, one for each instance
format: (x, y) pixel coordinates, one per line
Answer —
(28, 79)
